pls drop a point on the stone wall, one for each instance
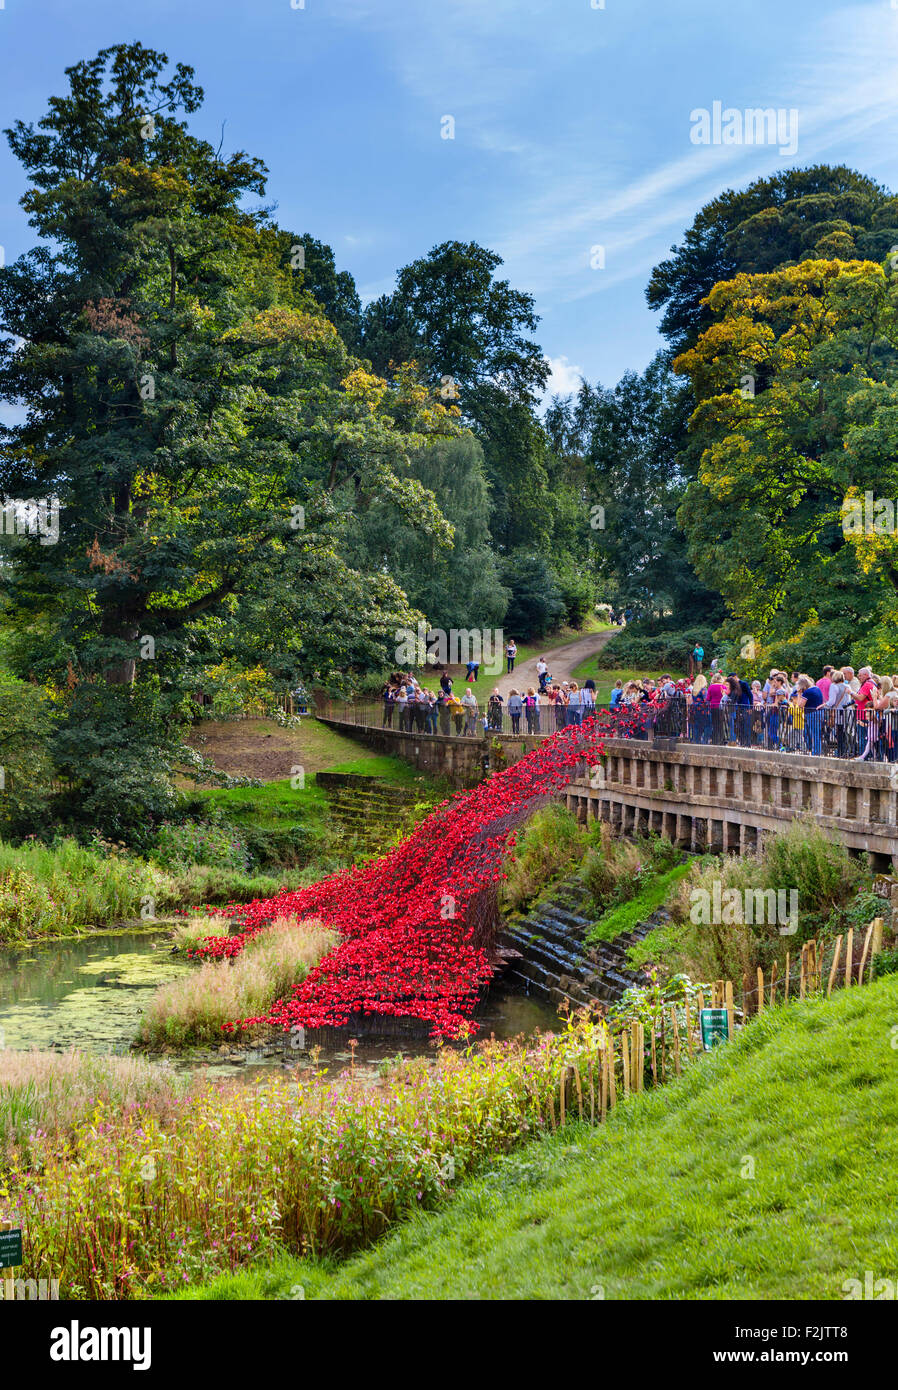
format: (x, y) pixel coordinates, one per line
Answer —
(700, 796)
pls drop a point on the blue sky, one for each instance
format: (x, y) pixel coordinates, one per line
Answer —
(572, 125)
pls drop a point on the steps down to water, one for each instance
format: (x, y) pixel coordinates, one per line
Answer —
(369, 810)
(548, 953)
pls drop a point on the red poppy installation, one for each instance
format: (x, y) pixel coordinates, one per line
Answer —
(417, 924)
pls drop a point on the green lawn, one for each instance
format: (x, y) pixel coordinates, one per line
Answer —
(605, 679)
(766, 1172)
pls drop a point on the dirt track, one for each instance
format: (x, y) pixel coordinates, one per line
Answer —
(561, 662)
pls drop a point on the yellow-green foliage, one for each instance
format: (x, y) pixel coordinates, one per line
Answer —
(140, 1202)
(193, 1008)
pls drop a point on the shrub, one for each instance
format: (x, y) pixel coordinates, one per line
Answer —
(193, 1008)
(177, 846)
(549, 847)
(636, 649)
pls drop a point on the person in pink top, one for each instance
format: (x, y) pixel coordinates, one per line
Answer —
(715, 692)
(825, 682)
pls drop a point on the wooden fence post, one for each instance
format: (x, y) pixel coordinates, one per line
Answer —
(728, 1004)
(860, 969)
(773, 985)
(787, 978)
(760, 990)
(676, 1038)
(849, 956)
(835, 965)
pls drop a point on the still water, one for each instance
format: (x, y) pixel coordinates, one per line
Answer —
(89, 994)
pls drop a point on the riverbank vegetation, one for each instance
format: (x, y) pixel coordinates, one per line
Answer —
(194, 1008)
(662, 1202)
(133, 1199)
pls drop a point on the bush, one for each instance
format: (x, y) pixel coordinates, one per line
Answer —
(26, 721)
(549, 847)
(194, 1008)
(802, 859)
(177, 846)
(638, 649)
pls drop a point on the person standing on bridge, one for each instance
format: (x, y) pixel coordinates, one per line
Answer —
(511, 652)
(515, 706)
(469, 700)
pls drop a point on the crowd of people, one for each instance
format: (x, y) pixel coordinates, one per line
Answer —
(409, 706)
(841, 713)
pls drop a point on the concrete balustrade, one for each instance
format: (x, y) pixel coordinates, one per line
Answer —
(701, 796)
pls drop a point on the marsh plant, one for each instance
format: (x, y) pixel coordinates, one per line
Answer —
(194, 1007)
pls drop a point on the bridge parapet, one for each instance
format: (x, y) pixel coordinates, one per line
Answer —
(729, 798)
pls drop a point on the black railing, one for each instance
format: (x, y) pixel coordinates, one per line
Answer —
(832, 733)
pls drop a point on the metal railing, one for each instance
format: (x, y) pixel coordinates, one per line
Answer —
(831, 733)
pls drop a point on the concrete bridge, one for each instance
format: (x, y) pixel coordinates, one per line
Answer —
(701, 796)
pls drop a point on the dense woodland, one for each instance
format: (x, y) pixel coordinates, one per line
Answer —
(257, 473)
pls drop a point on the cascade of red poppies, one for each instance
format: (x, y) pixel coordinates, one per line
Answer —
(416, 925)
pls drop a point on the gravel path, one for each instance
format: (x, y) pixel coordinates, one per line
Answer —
(561, 662)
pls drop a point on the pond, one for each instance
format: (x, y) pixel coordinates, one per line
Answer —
(90, 992)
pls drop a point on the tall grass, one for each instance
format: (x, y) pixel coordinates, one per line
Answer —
(549, 847)
(48, 891)
(804, 859)
(194, 1007)
(53, 890)
(143, 1202)
(46, 1096)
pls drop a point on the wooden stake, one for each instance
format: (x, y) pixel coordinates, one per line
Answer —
(804, 966)
(625, 1063)
(849, 956)
(787, 977)
(860, 969)
(760, 990)
(654, 1066)
(563, 1089)
(612, 1084)
(688, 1029)
(876, 945)
(676, 1038)
(773, 985)
(731, 1013)
(835, 966)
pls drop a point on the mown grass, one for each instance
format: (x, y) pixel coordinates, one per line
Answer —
(605, 680)
(765, 1172)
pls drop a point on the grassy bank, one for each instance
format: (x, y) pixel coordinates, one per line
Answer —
(765, 1172)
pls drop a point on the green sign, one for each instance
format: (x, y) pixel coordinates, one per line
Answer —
(715, 1026)
(10, 1249)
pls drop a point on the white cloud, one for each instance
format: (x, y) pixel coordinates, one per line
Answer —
(564, 378)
